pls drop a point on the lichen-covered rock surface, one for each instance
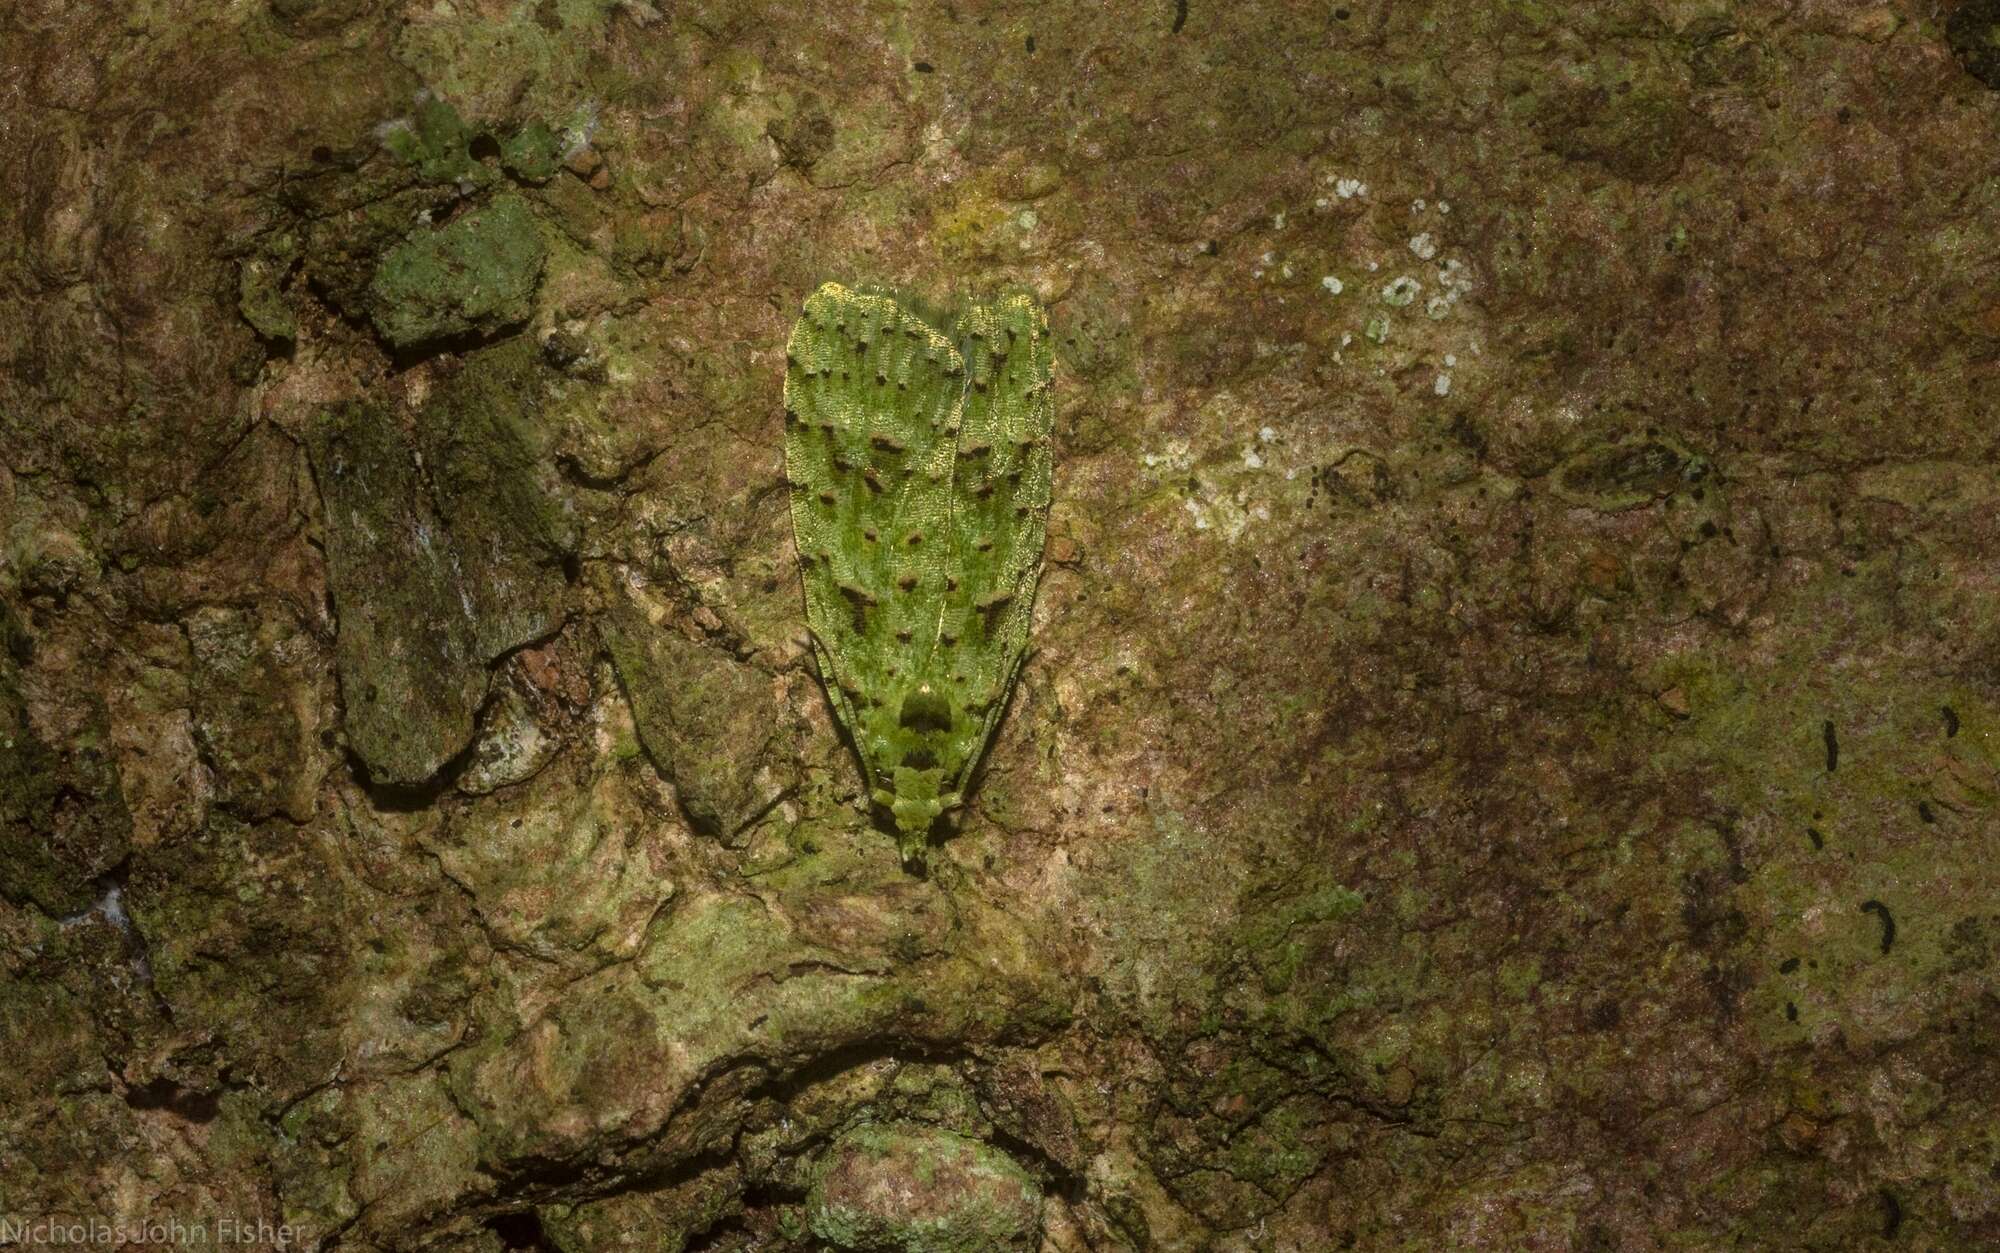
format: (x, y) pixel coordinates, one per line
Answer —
(922, 1190)
(1510, 752)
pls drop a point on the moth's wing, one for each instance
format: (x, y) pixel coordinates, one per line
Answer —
(1001, 485)
(843, 707)
(871, 402)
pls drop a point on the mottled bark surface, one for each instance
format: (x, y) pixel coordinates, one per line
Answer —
(1511, 752)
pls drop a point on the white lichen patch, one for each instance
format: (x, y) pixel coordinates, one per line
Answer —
(1454, 281)
(1224, 488)
(1400, 291)
(110, 906)
(1443, 385)
(1424, 245)
(512, 747)
(1349, 188)
(1174, 457)
(1229, 515)
(579, 130)
(1377, 330)
(1333, 285)
(389, 130)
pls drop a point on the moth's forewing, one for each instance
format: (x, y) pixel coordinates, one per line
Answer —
(871, 400)
(1000, 501)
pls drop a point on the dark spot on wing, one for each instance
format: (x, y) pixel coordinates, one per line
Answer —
(860, 602)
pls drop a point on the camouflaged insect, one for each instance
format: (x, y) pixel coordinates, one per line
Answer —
(920, 470)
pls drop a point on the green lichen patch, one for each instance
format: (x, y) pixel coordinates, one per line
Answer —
(662, 1220)
(911, 1188)
(63, 818)
(569, 873)
(842, 951)
(240, 927)
(474, 276)
(257, 711)
(436, 140)
(486, 443)
(48, 1033)
(708, 721)
(514, 744)
(533, 153)
(345, 240)
(422, 612)
(316, 17)
(412, 1154)
(260, 291)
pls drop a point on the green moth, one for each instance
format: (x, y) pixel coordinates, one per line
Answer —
(919, 458)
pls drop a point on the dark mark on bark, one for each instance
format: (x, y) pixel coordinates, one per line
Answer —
(1950, 721)
(1180, 16)
(1819, 841)
(1872, 906)
(1832, 745)
(1892, 1215)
